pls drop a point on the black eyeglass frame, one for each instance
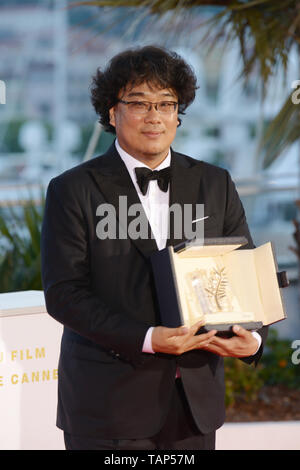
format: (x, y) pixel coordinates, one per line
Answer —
(150, 103)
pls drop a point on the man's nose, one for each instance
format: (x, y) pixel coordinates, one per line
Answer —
(152, 114)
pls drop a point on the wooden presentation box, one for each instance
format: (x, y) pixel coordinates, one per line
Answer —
(217, 283)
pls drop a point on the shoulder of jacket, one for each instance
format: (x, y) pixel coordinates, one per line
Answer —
(77, 174)
(208, 168)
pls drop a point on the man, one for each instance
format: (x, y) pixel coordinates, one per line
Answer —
(125, 381)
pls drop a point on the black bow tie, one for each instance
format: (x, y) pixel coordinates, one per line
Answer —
(144, 175)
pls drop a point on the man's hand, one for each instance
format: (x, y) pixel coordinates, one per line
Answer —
(180, 340)
(243, 344)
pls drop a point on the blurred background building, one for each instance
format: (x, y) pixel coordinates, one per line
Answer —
(49, 53)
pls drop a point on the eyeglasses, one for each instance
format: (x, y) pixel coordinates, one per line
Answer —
(143, 107)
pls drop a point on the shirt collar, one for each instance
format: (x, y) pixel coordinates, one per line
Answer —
(131, 162)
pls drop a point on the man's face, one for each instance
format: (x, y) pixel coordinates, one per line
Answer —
(147, 137)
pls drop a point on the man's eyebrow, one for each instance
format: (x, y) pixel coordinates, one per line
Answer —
(135, 93)
(142, 94)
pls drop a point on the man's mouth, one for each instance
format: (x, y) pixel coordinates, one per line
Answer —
(152, 134)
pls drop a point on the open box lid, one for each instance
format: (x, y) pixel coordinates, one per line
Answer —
(172, 265)
(209, 246)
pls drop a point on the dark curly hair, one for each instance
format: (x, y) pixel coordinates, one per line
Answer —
(150, 64)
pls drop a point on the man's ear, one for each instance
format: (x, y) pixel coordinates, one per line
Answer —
(112, 120)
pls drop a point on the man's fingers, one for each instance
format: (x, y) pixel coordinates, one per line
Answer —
(239, 330)
(197, 326)
(202, 340)
(179, 340)
(183, 330)
(180, 331)
(210, 335)
(207, 337)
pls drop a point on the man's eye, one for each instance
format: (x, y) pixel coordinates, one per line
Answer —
(138, 104)
(166, 106)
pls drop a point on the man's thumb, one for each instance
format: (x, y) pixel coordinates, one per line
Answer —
(239, 330)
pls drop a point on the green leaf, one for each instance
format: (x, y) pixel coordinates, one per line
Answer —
(20, 250)
(281, 133)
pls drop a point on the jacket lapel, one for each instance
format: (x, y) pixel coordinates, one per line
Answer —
(184, 194)
(114, 182)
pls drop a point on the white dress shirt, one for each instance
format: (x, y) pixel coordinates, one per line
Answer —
(156, 206)
(155, 202)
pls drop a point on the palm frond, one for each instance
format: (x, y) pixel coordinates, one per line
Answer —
(266, 30)
(20, 249)
(281, 133)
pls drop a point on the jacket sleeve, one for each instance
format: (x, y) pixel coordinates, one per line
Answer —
(66, 276)
(235, 224)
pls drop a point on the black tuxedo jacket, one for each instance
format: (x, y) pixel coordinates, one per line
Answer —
(102, 291)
